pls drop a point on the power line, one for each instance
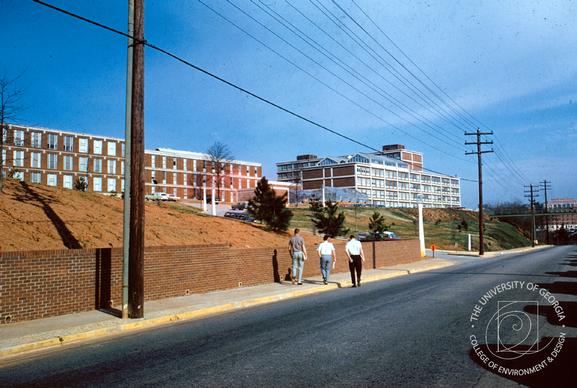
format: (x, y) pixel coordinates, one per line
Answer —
(382, 61)
(212, 75)
(471, 120)
(349, 69)
(324, 83)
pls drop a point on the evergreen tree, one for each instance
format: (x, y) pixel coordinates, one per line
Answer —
(80, 184)
(377, 223)
(328, 220)
(269, 208)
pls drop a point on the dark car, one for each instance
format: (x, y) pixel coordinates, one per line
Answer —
(239, 215)
(377, 236)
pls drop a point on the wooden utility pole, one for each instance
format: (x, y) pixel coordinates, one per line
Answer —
(531, 193)
(127, 164)
(136, 249)
(546, 186)
(479, 143)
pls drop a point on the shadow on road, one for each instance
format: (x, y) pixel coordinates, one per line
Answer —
(556, 368)
(559, 373)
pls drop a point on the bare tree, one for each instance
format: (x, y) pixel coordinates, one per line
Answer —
(10, 107)
(219, 154)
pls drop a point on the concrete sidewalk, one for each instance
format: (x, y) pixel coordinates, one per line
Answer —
(444, 253)
(23, 337)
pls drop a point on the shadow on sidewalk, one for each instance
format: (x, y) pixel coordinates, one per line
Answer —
(103, 283)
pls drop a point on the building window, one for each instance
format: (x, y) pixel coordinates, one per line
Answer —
(52, 180)
(18, 159)
(82, 145)
(97, 184)
(68, 162)
(111, 148)
(52, 161)
(111, 185)
(18, 175)
(123, 149)
(111, 167)
(164, 162)
(83, 164)
(97, 165)
(52, 141)
(35, 160)
(18, 138)
(68, 143)
(67, 181)
(36, 140)
(153, 161)
(97, 144)
(36, 177)
(174, 163)
(122, 167)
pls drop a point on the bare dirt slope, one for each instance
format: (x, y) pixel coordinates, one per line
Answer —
(36, 217)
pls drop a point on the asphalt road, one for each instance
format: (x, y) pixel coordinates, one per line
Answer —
(410, 331)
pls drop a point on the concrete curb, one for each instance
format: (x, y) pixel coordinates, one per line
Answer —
(490, 255)
(147, 323)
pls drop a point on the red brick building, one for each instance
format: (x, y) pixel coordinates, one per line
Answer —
(59, 158)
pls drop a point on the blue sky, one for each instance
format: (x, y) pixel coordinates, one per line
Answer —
(509, 64)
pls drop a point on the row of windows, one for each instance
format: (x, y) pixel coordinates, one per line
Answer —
(402, 195)
(401, 175)
(68, 143)
(68, 161)
(68, 181)
(164, 164)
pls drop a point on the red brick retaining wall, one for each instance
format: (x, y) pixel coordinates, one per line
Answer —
(38, 284)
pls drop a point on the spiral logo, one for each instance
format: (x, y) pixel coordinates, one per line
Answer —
(512, 342)
(515, 332)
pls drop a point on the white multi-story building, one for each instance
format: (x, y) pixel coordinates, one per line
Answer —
(385, 181)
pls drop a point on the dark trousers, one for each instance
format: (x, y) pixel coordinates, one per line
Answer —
(356, 265)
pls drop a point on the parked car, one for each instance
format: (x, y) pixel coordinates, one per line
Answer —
(239, 215)
(157, 197)
(370, 236)
(172, 197)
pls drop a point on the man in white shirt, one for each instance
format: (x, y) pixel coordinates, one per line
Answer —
(327, 254)
(354, 250)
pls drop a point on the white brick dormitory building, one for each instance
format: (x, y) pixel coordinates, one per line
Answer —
(394, 177)
(58, 158)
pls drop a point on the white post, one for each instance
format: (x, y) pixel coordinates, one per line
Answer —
(421, 230)
(323, 192)
(204, 194)
(469, 243)
(213, 199)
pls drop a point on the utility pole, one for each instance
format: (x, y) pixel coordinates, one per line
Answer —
(479, 143)
(127, 164)
(546, 185)
(136, 248)
(531, 193)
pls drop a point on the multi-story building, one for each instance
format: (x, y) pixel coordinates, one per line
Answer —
(384, 180)
(291, 171)
(59, 158)
(562, 204)
(398, 151)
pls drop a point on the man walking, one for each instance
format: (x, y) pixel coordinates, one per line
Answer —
(354, 250)
(327, 255)
(298, 252)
